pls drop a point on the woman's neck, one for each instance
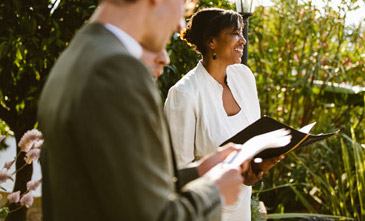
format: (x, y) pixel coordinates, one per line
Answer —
(216, 69)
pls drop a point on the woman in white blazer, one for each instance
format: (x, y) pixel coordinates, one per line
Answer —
(216, 99)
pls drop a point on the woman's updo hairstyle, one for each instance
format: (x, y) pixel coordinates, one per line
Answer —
(208, 23)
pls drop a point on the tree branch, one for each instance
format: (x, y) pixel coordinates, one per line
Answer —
(5, 115)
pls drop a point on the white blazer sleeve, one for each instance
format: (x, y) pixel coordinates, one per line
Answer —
(179, 110)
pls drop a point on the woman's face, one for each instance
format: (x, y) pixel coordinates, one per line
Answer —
(229, 45)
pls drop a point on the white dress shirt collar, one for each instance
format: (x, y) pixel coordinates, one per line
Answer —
(130, 43)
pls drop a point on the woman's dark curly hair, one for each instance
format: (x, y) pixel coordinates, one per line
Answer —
(208, 23)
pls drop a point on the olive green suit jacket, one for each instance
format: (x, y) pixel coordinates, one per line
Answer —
(107, 152)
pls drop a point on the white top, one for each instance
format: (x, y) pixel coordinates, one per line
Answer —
(236, 121)
(131, 45)
(199, 122)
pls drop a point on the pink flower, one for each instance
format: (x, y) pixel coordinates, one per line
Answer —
(301, 12)
(4, 176)
(38, 144)
(30, 139)
(14, 197)
(8, 164)
(32, 155)
(26, 200)
(296, 57)
(33, 185)
(2, 137)
(323, 61)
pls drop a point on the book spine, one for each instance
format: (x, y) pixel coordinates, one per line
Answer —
(295, 146)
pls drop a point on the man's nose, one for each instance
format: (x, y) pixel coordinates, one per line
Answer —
(181, 25)
(163, 58)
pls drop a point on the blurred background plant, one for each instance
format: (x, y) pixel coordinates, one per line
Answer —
(30, 144)
(310, 67)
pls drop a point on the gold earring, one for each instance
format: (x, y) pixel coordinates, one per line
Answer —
(214, 56)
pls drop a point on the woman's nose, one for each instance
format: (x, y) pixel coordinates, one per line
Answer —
(242, 39)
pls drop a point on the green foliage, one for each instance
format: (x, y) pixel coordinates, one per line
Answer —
(293, 46)
(32, 36)
(4, 212)
(255, 209)
(183, 59)
(329, 180)
(215, 3)
(4, 130)
(307, 216)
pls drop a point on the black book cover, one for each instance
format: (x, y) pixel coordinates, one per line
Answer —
(267, 124)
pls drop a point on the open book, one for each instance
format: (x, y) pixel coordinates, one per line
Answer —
(299, 138)
(273, 139)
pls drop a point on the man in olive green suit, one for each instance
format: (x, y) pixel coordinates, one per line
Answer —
(107, 153)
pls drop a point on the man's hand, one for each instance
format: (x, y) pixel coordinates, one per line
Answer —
(256, 171)
(228, 180)
(211, 160)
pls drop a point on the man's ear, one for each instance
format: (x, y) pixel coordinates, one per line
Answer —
(154, 2)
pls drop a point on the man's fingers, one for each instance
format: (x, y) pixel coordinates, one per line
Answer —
(227, 149)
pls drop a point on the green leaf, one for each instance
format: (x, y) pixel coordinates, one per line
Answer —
(305, 215)
(4, 212)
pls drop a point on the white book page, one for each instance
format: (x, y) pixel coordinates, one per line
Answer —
(255, 145)
(307, 128)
